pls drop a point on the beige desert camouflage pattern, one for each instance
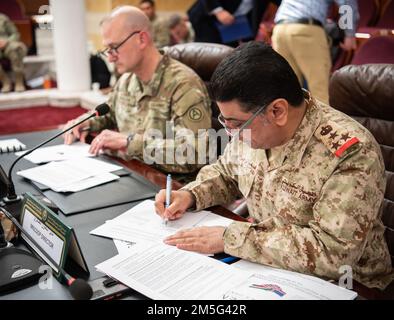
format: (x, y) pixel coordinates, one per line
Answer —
(174, 94)
(316, 200)
(161, 32)
(10, 230)
(14, 50)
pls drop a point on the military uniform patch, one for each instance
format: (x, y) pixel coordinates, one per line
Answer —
(336, 138)
(195, 114)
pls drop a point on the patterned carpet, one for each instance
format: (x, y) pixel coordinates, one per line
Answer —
(36, 118)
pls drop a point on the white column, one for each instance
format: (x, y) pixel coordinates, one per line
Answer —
(70, 44)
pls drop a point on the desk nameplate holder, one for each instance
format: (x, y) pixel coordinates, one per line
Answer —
(58, 239)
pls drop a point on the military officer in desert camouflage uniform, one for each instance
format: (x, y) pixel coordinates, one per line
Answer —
(313, 178)
(153, 91)
(14, 50)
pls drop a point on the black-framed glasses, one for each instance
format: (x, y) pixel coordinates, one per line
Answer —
(114, 50)
(234, 132)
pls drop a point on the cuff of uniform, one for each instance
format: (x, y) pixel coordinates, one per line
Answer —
(136, 146)
(234, 237)
(202, 201)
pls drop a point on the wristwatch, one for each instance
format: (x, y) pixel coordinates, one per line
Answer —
(129, 138)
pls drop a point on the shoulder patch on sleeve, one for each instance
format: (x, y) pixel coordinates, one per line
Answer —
(336, 138)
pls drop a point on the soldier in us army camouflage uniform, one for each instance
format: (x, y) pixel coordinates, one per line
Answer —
(313, 178)
(160, 28)
(153, 90)
(14, 50)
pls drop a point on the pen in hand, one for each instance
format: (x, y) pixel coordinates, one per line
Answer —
(168, 194)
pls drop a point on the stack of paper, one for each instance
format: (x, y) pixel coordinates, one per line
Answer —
(160, 271)
(59, 152)
(142, 224)
(164, 272)
(11, 145)
(72, 175)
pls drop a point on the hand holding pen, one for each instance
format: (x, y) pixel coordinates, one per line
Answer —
(178, 202)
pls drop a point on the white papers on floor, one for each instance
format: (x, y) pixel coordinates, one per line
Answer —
(141, 224)
(165, 272)
(266, 283)
(72, 175)
(59, 152)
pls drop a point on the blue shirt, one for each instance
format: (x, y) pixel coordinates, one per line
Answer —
(317, 9)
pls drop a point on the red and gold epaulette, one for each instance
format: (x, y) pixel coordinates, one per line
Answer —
(337, 139)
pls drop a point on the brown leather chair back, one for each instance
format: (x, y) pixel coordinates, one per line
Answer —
(365, 92)
(203, 58)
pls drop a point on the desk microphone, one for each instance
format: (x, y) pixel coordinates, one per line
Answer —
(11, 196)
(79, 288)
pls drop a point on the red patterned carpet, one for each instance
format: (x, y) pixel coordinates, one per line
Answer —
(36, 118)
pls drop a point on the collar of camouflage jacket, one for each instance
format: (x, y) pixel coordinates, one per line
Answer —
(293, 151)
(152, 87)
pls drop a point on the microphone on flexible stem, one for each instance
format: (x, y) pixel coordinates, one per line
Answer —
(79, 288)
(11, 196)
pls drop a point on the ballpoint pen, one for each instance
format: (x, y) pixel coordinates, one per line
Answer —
(168, 194)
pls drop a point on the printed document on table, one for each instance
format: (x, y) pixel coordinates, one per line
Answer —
(58, 153)
(141, 223)
(266, 283)
(164, 272)
(58, 175)
(89, 182)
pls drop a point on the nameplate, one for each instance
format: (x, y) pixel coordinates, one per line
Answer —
(53, 236)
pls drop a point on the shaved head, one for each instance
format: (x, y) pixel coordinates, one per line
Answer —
(130, 18)
(127, 37)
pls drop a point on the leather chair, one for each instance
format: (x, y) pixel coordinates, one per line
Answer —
(365, 92)
(203, 58)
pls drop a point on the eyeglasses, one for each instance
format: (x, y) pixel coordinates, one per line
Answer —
(114, 50)
(239, 128)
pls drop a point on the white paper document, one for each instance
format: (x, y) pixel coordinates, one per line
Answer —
(123, 246)
(266, 283)
(11, 145)
(69, 175)
(141, 223)
(58, 153)
(165, 272)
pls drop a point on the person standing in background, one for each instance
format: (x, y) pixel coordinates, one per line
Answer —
(299, 36)
(204, 14)
(161, 34)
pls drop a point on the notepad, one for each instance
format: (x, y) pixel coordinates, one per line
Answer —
(11, 145)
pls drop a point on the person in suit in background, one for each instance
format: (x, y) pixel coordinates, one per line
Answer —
(204, 14)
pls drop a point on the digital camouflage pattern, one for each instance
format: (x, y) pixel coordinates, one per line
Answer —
(161, 32)
(175, 93)
(14, 50)
(10, 230)
(316, 200)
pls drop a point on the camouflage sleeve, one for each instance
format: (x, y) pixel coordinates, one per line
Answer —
(108, 121)
(343, 217)
(179, 150)
(216, 184)
(161, 34)
(11, 30)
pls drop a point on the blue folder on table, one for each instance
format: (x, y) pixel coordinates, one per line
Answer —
(240, 29)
